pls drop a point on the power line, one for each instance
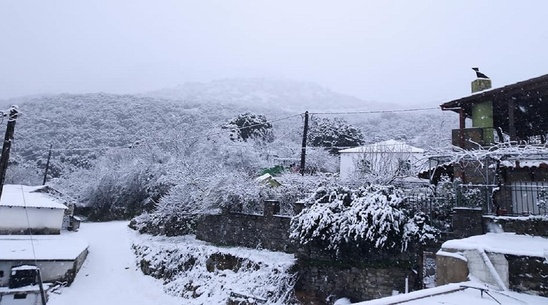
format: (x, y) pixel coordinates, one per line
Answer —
(378, 111)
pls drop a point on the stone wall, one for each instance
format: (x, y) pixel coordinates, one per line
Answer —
(323, 282)
(321, 276)
(268, 231)
(532, 225)
(467, 222)
(528, 274)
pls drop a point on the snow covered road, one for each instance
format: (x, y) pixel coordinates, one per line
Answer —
(109, 275)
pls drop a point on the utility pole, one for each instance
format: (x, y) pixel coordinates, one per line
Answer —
(303, 151)
(47, 165)
(8, 138)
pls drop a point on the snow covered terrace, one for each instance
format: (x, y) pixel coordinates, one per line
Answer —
(477, 291)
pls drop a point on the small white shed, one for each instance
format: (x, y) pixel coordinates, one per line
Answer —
(393, 158)
(23, 207)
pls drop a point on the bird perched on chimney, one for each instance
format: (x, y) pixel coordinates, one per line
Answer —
(479, 74)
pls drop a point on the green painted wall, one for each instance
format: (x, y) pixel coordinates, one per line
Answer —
(482, 116)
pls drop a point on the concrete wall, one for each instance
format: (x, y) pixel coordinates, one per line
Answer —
(13, 220)
(480, 270)
(450, 268)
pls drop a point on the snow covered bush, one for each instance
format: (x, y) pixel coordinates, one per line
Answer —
(372, 217)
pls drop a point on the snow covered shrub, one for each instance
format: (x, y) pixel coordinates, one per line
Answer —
(319, 160)
(372, 217)
(164, 224)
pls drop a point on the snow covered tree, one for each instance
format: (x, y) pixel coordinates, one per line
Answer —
(372, 218)
(333, 134)
(250, 126)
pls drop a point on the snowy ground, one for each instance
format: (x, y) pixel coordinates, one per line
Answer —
(109, 275)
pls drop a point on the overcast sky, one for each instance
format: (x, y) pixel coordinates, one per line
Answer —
(405, 52)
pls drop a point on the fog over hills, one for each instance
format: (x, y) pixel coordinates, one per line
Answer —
(288, 95)
(79, 126)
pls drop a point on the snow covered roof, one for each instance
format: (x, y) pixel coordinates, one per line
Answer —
(46, 247)
(504, 243)
(391, 146)
(530, 85)
(459, 293)
(28, 196)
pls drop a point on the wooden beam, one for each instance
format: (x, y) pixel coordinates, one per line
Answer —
(511, 119)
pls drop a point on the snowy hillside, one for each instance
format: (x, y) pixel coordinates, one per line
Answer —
(285, 94)
(80, 126)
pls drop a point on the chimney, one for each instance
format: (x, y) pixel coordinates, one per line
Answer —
(481, 83)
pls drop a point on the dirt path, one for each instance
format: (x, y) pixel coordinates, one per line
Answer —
(109, 275)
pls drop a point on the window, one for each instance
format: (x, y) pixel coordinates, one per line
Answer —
(1, 273)
(19, 296)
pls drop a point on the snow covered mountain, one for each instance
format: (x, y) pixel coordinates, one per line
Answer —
(287, 95)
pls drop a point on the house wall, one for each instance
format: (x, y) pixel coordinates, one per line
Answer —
(381, 162)
(51, 270)
(32, 297)
(13, 220)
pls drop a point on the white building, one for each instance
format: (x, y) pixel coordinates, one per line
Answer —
(388, 158)
(25, 207)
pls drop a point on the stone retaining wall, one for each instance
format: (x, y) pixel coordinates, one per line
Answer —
(324, 282)
(268, 231)
(531, 225)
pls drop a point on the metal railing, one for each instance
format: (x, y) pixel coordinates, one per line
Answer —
(522, 198)
(517, 199)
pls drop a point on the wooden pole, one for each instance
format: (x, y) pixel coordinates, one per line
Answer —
(41, 286)
(8, 138)
(47, 165)
(303, 150)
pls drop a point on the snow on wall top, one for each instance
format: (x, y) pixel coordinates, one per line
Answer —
(523, 163)
(26, 196)
(504, 243)
(456, 294)
(389, 146)
(46, 247)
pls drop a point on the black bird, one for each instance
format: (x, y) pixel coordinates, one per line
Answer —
(479, 74)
